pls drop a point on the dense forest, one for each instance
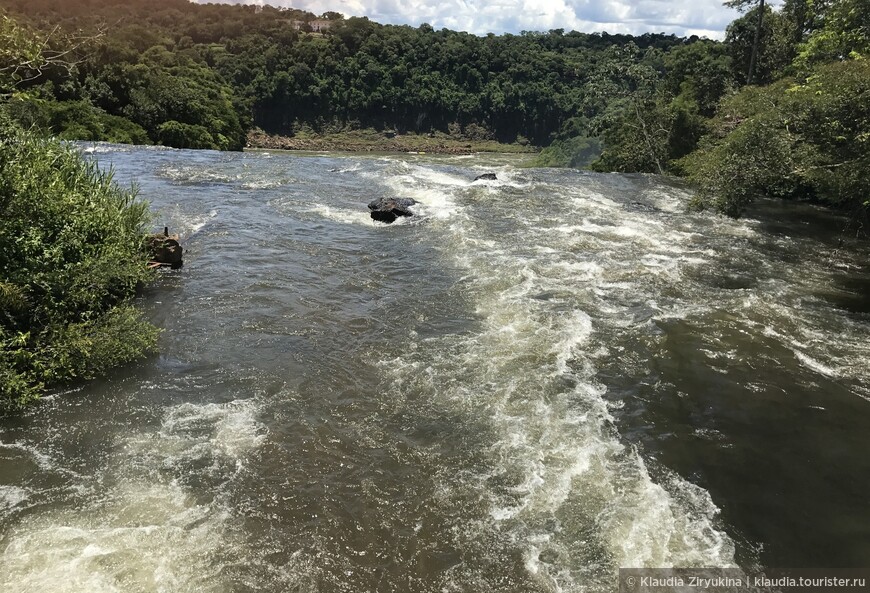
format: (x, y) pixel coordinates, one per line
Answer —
(780, 108)
(224, 68)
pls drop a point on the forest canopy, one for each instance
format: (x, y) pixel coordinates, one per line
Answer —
(227, 68)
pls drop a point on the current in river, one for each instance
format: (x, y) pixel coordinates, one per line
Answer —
(534, 381)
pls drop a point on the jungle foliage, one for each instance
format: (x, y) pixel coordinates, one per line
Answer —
(806, 133)
(174, 68)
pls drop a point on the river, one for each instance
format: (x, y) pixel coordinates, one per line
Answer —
(533, 382)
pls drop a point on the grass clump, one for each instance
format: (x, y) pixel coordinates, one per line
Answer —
(71, 259)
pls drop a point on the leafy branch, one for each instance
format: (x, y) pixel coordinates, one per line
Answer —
(25, 56)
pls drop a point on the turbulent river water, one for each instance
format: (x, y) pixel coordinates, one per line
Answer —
(533, 382)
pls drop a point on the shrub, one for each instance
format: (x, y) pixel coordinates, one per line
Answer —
(576, 152)
(71, 258)
(179, 135)
(76, 120)
(756, 159)
(790, 140)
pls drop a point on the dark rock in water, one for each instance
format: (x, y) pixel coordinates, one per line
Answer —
(384, 203)
(727, 280)
(641, 206)
(383, 216)
(486, 176)
(164, 250)
(389, 209)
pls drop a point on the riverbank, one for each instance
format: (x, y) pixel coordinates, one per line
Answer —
(369, 140)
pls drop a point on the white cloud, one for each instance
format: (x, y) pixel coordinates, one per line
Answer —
(683, 17)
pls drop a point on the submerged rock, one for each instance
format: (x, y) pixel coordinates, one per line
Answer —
(643, 207)
(389, 209)
(486, 176)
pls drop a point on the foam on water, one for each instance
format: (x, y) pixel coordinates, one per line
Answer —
(424, 185)
(230, 428)
(344, 215)
(815, 364)
(42, 459)
(183, 222)
(505, 177)
(265, 183)
(579, 502)
(139, 537)
(143, 530)
(11, 497)
(196, 224)
(833, 347)
(103, 148)
(349, 169)
(197, 174)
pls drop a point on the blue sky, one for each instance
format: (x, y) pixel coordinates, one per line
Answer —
(706, 18)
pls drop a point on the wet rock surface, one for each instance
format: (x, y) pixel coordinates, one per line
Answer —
(164, 250)
(389, 209)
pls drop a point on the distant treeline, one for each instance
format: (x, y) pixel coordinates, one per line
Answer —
(780, 108)
(172, 65)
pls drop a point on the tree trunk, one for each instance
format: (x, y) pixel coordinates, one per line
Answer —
(649, 142)
(756, 42)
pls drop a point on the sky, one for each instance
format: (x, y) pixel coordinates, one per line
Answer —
(705, 18)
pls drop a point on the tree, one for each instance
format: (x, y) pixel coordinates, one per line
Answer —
(749, 154)
(808, 140)
(25, 55)
(635, 125)
(773, 55)
(844, 34)
(804, 18)
(744, 6)
(20, 54)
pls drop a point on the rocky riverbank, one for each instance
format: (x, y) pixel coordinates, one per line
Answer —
(374, 141)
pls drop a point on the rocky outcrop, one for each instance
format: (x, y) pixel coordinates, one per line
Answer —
(164, 250)
(389, 209)
(486, 176)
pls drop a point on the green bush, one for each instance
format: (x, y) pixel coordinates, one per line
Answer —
(179, 135)
(71, 258)
(790, 140)
(754, 160)
(831, 112)
(576, 152)
(76, 120)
